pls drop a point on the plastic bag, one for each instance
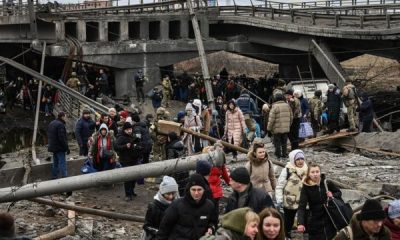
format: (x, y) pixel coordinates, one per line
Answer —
(305, 130)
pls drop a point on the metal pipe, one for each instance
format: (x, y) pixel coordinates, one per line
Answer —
(91, 211)
(68, 184)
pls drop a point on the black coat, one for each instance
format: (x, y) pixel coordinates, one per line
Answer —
(145, 140)
(315, 196)
(333, 101)
(57, 136)
(83, 130)
(154, 215)
(257, 200)
(366, 111)
(128, 156)
(185, 219)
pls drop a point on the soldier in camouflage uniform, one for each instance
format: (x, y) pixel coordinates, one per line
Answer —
(316, 111)
(350, 101)
(167, 91)
(159, 140)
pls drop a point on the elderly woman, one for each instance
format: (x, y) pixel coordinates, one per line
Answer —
(193, 122)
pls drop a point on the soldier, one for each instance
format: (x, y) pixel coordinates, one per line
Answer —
(73, 82)
(139, 79)
(316, 111)
(166, 91)
(159, 139)
(349, 100)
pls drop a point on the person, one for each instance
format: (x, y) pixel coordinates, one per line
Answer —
(350, 101)
(26, 97)
(142, 133)
(305, 107)
(11, 93)
(280, 119)
(271, 225)
(190, 217)
(103, 82)
(366, 224)
(193, 122)
(295, 105)
(205, 118)
(333, 104)
(7, 228)
(239, 224)
(265, 115)
(279, 89)
(167, 91)
(176, 149)
(102, 149)
(84, 128)
(156, 98)
(289, 186)
(392, 221)
(104, 118)
(316, 111)
(315, 195)
(168, 192)
(47, 100)
(260, 168)
(139, 79)
(244, 194)
(73, 82)
(246, 103)
(159, 139)
(366, 113)
(129, 151)
(58, 145)
(235, 126)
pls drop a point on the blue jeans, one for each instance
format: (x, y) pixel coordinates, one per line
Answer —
(59, 165)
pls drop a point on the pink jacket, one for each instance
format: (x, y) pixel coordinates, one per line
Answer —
(234, 126)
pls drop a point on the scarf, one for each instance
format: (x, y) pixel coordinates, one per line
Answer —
(99, 147)
(159, 197)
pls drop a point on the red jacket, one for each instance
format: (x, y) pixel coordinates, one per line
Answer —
(394, 230)
(215, 181)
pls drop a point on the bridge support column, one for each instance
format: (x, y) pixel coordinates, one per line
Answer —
(103, 31)
(204, 27)
(124, 30)
(60, 30)
(81, 30)
(144, 29)
(184, 31)
(164, 30)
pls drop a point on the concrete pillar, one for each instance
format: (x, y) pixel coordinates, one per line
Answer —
(164, 30)
(124, 30)
(204, 27)
(144, 29)
(81, 30)
(184, 32)
(124, 83)
(103, 31)
(60, 30)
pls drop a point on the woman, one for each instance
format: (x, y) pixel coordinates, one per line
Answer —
(261, 169)
(102, 149)
(239, 224)
(193, 122)
(315, 195)
(235, 126)
(392, 221)
(167, 192)
(289, 187)
(271, 225)
(366, 114)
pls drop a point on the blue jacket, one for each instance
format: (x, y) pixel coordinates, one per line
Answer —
(246, 104)
(57, 136)
(83, 130)
(305, 107)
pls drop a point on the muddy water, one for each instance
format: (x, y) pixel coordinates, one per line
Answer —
(18, 138)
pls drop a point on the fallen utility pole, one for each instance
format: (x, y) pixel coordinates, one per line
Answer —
(69, 184)
(202, 55)
(97, 212)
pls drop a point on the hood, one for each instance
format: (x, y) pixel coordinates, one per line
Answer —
(245, 95)
(235, 220)
(253, 159)
(293, 154)
(103, 126)
(197, 103)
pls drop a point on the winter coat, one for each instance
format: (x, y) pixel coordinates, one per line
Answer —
(186, 219)
(289, 186)
(143, 135)
(206, 119)
(235, 126)
(246, 104)
(83, 130)
(188, 139)
(333, 101)
(314, 195)
(295, 105)
(128, 156)
(73, 83)
(233, 225)
(315, 108)
(280, 118)
(261, 173)
(366, 111)
(154, 215)
(57, 136)
(257, 199)
(95, 149)
(394, 230)
(215, 182)
(360, 234)
(305, 107)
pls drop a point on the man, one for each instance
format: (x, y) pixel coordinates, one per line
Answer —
(103, 82)
(367, 224)
(83, 130)
(141, 131)
(156, 98)
(280, 119)
(166, 91)
(129, 151)
(244, 194)
(333, 103)
(139, 81)
(295, 105)
(104, 118)
(73, 82)
(58, 145)
(350, 101)
(190, 217)
(316, 111)
(159, 140)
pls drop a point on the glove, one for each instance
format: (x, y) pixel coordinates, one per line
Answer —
(68, 151)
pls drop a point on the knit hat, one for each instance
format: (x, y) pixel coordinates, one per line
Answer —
(203, 167)
(124, 114)
(127, 125)
(241, 175)
(372, 210)
(168, 185)
(196, 180)
(136, 118)
(394, 209)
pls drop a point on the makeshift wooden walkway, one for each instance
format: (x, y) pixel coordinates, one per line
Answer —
(325, 138)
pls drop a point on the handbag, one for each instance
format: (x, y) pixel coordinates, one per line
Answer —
(88, 167)
(338, 211)
(305, 130)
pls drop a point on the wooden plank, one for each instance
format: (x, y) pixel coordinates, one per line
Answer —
(324, 138)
